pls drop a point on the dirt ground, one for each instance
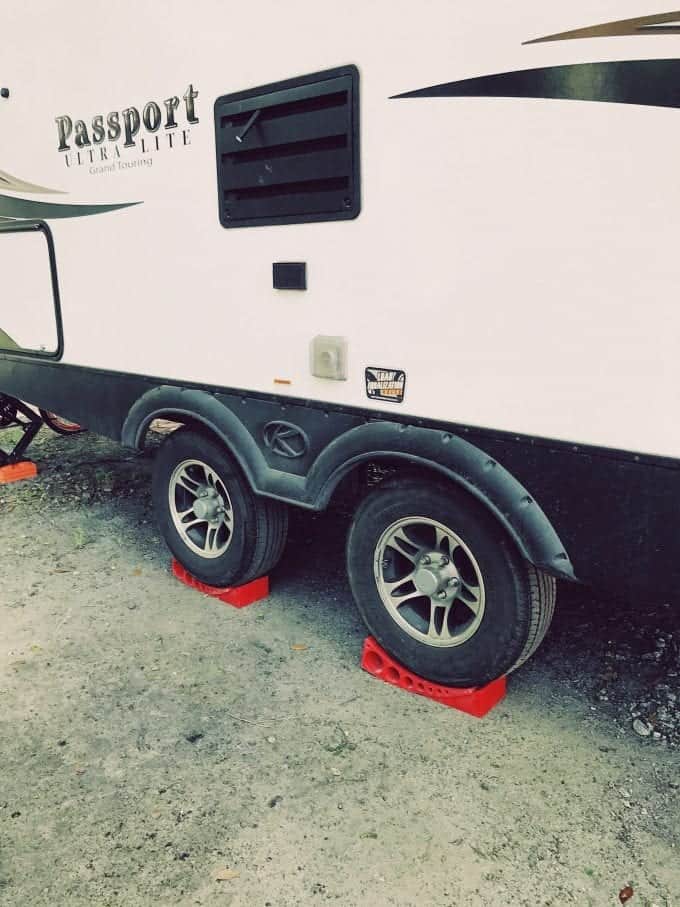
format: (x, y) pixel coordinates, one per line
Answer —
(152, 739)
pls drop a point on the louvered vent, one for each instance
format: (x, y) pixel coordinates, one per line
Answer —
(289, 153)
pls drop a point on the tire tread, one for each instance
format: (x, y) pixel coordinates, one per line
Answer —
(543, 594)
(271, 531)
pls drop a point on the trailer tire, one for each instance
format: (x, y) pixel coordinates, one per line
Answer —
(241, 534)
(441, 586)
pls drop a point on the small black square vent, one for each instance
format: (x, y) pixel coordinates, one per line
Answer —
(289, 275)
(289, 152)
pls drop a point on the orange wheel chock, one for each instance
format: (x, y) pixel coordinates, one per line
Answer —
(17, 472)
(476, 701)
(236, 596)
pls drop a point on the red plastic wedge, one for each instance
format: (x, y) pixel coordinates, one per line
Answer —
(236, 596)
(16, 472)
(475, 701)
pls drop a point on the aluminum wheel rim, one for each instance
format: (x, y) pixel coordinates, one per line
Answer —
(201, 508)
(429, 581)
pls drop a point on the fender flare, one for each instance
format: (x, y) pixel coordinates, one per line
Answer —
(441, 451)
(210, 411)
(455, 458)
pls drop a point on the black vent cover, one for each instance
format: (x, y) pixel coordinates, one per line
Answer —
(289, 152)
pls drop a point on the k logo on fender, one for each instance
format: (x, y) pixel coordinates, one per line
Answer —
(285, 440)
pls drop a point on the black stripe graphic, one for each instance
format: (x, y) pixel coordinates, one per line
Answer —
(651, 83)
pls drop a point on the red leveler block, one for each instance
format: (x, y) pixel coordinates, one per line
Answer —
(236, 596)
(16, 472)
(475, 701)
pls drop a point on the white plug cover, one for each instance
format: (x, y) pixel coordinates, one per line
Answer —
(328, 358)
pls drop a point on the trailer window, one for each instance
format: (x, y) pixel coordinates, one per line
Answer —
(30, 321)
(288, 153)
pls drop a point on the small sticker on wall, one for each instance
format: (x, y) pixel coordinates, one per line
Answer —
(385, 384)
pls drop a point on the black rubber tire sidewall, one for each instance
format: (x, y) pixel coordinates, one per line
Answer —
(499, 641)
(233, 564)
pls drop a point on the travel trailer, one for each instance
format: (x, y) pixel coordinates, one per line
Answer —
(438, 241)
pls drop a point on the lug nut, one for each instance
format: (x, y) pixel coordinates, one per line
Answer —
(453, 583)
(444, 560)
(441, 594)
(426, 560)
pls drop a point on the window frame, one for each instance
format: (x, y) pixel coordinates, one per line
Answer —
(29, 226)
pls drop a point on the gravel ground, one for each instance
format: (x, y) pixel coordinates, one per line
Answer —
(158, 747)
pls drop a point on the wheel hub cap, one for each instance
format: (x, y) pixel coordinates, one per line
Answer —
(207, 506)
(435, 575)
(426, 580)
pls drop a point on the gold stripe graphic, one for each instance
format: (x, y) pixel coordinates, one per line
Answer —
(660, 24)
(14, 184)
(12, 208)
(22, 208)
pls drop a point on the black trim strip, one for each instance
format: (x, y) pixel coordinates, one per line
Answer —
(614, 512)
(650, 83)
(80, 376)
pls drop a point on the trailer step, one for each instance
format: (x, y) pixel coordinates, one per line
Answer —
(17, 472)
(236, 596)
(476, 701)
